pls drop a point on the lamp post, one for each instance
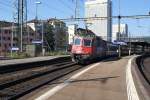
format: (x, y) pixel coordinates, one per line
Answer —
(37, 3)
(43, 50)
(42, 23)
(36, 18)
(12, 38)
(130, 48)
(1, 44)
(119, 34)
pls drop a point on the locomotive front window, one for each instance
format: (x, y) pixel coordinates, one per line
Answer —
(87, 42)
(77, 41)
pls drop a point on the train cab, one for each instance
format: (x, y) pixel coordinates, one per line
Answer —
(82, 47)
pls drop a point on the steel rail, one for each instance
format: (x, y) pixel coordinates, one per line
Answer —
(20, 85)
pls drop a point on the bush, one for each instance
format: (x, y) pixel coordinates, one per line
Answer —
(54, 53)
(16, 55)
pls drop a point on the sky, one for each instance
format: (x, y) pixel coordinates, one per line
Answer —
(65, 9)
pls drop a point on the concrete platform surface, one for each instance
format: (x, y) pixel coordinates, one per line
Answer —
(105, 81)
(26, 60)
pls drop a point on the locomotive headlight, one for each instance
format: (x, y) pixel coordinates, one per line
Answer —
(86, 56)
(79, 51)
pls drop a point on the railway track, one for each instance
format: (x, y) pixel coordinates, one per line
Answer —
(17, 81)
(143, 65)
(146, 65)
(141, 75)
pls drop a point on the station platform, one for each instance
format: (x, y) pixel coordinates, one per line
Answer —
(105, 80)
(27, 60)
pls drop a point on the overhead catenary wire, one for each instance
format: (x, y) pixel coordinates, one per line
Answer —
(5, 4)
(106, 18)
(56, 9)
(84, 19)
(8, 5)
(29, 12)
(66, 5)
(5, 8)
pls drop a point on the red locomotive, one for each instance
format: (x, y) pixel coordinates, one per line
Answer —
(88, 46)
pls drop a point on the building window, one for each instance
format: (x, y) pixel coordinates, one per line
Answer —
(30, 40)
(4, 38)
(5, 45)
(9, 45)
(6, 31)
(14, 45)
(8, 38)
(9, 31)
(32, 34)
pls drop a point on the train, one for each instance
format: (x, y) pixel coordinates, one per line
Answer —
(87, 46)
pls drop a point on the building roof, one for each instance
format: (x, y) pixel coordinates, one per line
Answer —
(6, 23)
(55, 20)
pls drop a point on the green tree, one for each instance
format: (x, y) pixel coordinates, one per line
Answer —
(49, 36)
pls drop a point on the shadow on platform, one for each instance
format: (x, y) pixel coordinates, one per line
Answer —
(102, 80)
(111, 59)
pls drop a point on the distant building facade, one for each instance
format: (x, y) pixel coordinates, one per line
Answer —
(9, 38)
(60, 33)
(5, 40)
(123, 32)
(71, 32)
(99, 8)
(31, 33)
(36, 26)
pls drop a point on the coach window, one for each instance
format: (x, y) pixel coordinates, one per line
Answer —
(87, 43)
(94, 42)
(98, 42)
(77, 41)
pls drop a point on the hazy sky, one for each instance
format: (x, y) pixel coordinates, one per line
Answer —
(65, 9)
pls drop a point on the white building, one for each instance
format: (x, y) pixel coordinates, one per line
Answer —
(123, 32)
(71, 31)
(99, 8)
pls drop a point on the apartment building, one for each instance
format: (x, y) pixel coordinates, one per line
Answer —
(9, 38)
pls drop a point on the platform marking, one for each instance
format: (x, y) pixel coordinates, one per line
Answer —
(131, 89)
(57, 88)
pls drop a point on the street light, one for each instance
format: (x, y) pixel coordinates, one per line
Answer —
(37, 3)
(130, 44)
(43, 50)
(42, 40)
(12, 38)
(119, 33)
(36, 18)
(1, 43)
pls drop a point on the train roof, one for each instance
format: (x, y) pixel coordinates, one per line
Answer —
(85, 32)
(88, 36)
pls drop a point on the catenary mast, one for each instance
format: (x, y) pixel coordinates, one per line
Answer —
(20, 19)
